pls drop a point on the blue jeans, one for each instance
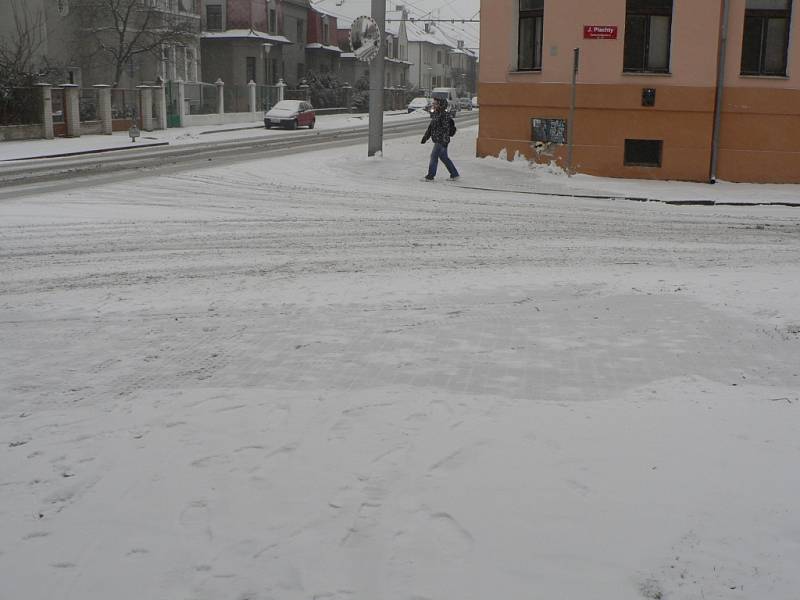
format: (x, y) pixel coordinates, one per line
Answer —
(440, 152)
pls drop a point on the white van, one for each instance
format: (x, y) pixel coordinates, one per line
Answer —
(448, 94)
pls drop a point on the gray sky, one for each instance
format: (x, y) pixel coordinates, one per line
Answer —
(447, 9)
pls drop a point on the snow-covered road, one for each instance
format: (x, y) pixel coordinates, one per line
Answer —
(317, 377)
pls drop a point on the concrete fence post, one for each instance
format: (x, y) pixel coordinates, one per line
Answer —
(47, 110)
(72, 106)
(181, 103)
(281, 88)
(252, 89)
(220, 96)
(146, 102)
(348, 96)
(161, 102)
(104, 107)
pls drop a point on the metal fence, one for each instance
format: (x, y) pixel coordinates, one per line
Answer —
(124, 103)
(330, 97)
(299, 94)
(201, 98)
(266, 96)
(88, 104)
(237, 98)
(59, 114)
(20, 106)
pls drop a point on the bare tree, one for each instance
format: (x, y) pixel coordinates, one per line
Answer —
(19, 54)
(122, 30)
(20, 49)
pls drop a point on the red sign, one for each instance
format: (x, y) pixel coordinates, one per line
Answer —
(599, 32)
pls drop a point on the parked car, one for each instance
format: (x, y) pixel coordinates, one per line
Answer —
(291, 114)
(420, 104)
(465, 103)
(475, 102)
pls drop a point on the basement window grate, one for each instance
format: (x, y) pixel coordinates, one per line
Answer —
(643, 153)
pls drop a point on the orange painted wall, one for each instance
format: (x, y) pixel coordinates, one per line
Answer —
(760, 134)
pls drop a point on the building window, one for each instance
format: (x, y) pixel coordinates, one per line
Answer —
(250, 69)
(531, 28)
(765, 45)
(643, 153)
(301, 28)
(325, 32)
(214, 17)
(164, 60)
(648, 26)
(273, 21)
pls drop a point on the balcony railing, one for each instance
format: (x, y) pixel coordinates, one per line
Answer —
(183, 7)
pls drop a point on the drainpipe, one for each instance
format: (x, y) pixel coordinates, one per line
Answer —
(723, 45)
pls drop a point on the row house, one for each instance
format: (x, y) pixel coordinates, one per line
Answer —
(666, 89)
(243, 41)
(439, 59)
(266, 41)
(322, 49)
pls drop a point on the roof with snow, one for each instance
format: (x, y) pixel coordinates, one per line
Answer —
(239, 34)
(317, 46)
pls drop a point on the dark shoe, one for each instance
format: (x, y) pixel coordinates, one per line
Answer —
(454, 177)
(428, 178)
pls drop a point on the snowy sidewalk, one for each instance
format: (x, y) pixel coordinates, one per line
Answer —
(119, 140)
(520, 176)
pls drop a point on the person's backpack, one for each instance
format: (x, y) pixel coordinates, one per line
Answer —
(452, 126)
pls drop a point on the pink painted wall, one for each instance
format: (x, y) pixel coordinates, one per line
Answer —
(695, 30)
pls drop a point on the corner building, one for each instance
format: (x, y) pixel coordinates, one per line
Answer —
(649, 79)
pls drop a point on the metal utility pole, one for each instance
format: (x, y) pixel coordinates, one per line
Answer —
(376, 81)
(723, 51)
(376, 78)
(571, 122)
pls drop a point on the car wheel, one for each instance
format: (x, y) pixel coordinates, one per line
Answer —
(311, 125)
(267, 124)
(293, 124)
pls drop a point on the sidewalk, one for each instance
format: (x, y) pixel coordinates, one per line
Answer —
(30, 149)
(519, 176)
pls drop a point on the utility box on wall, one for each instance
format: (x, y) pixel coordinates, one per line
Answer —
(648, 97)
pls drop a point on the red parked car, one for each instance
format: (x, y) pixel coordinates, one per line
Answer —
(291, 114)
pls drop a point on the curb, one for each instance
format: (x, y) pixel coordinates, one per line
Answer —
(635, 198)
(83, 152)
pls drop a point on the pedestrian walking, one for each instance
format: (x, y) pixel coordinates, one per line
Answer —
(440, 130)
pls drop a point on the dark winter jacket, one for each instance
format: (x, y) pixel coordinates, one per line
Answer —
(439, 128)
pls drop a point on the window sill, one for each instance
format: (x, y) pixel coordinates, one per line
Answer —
(645, 74)
(777, 77)
(526, 72)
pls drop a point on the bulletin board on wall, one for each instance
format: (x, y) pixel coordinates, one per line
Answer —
(549, 131)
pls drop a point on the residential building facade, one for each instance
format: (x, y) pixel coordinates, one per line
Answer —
(322, 48)
(238, 45)
(289, 18)
(661, 93)
(74, 33)
(439, 58)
